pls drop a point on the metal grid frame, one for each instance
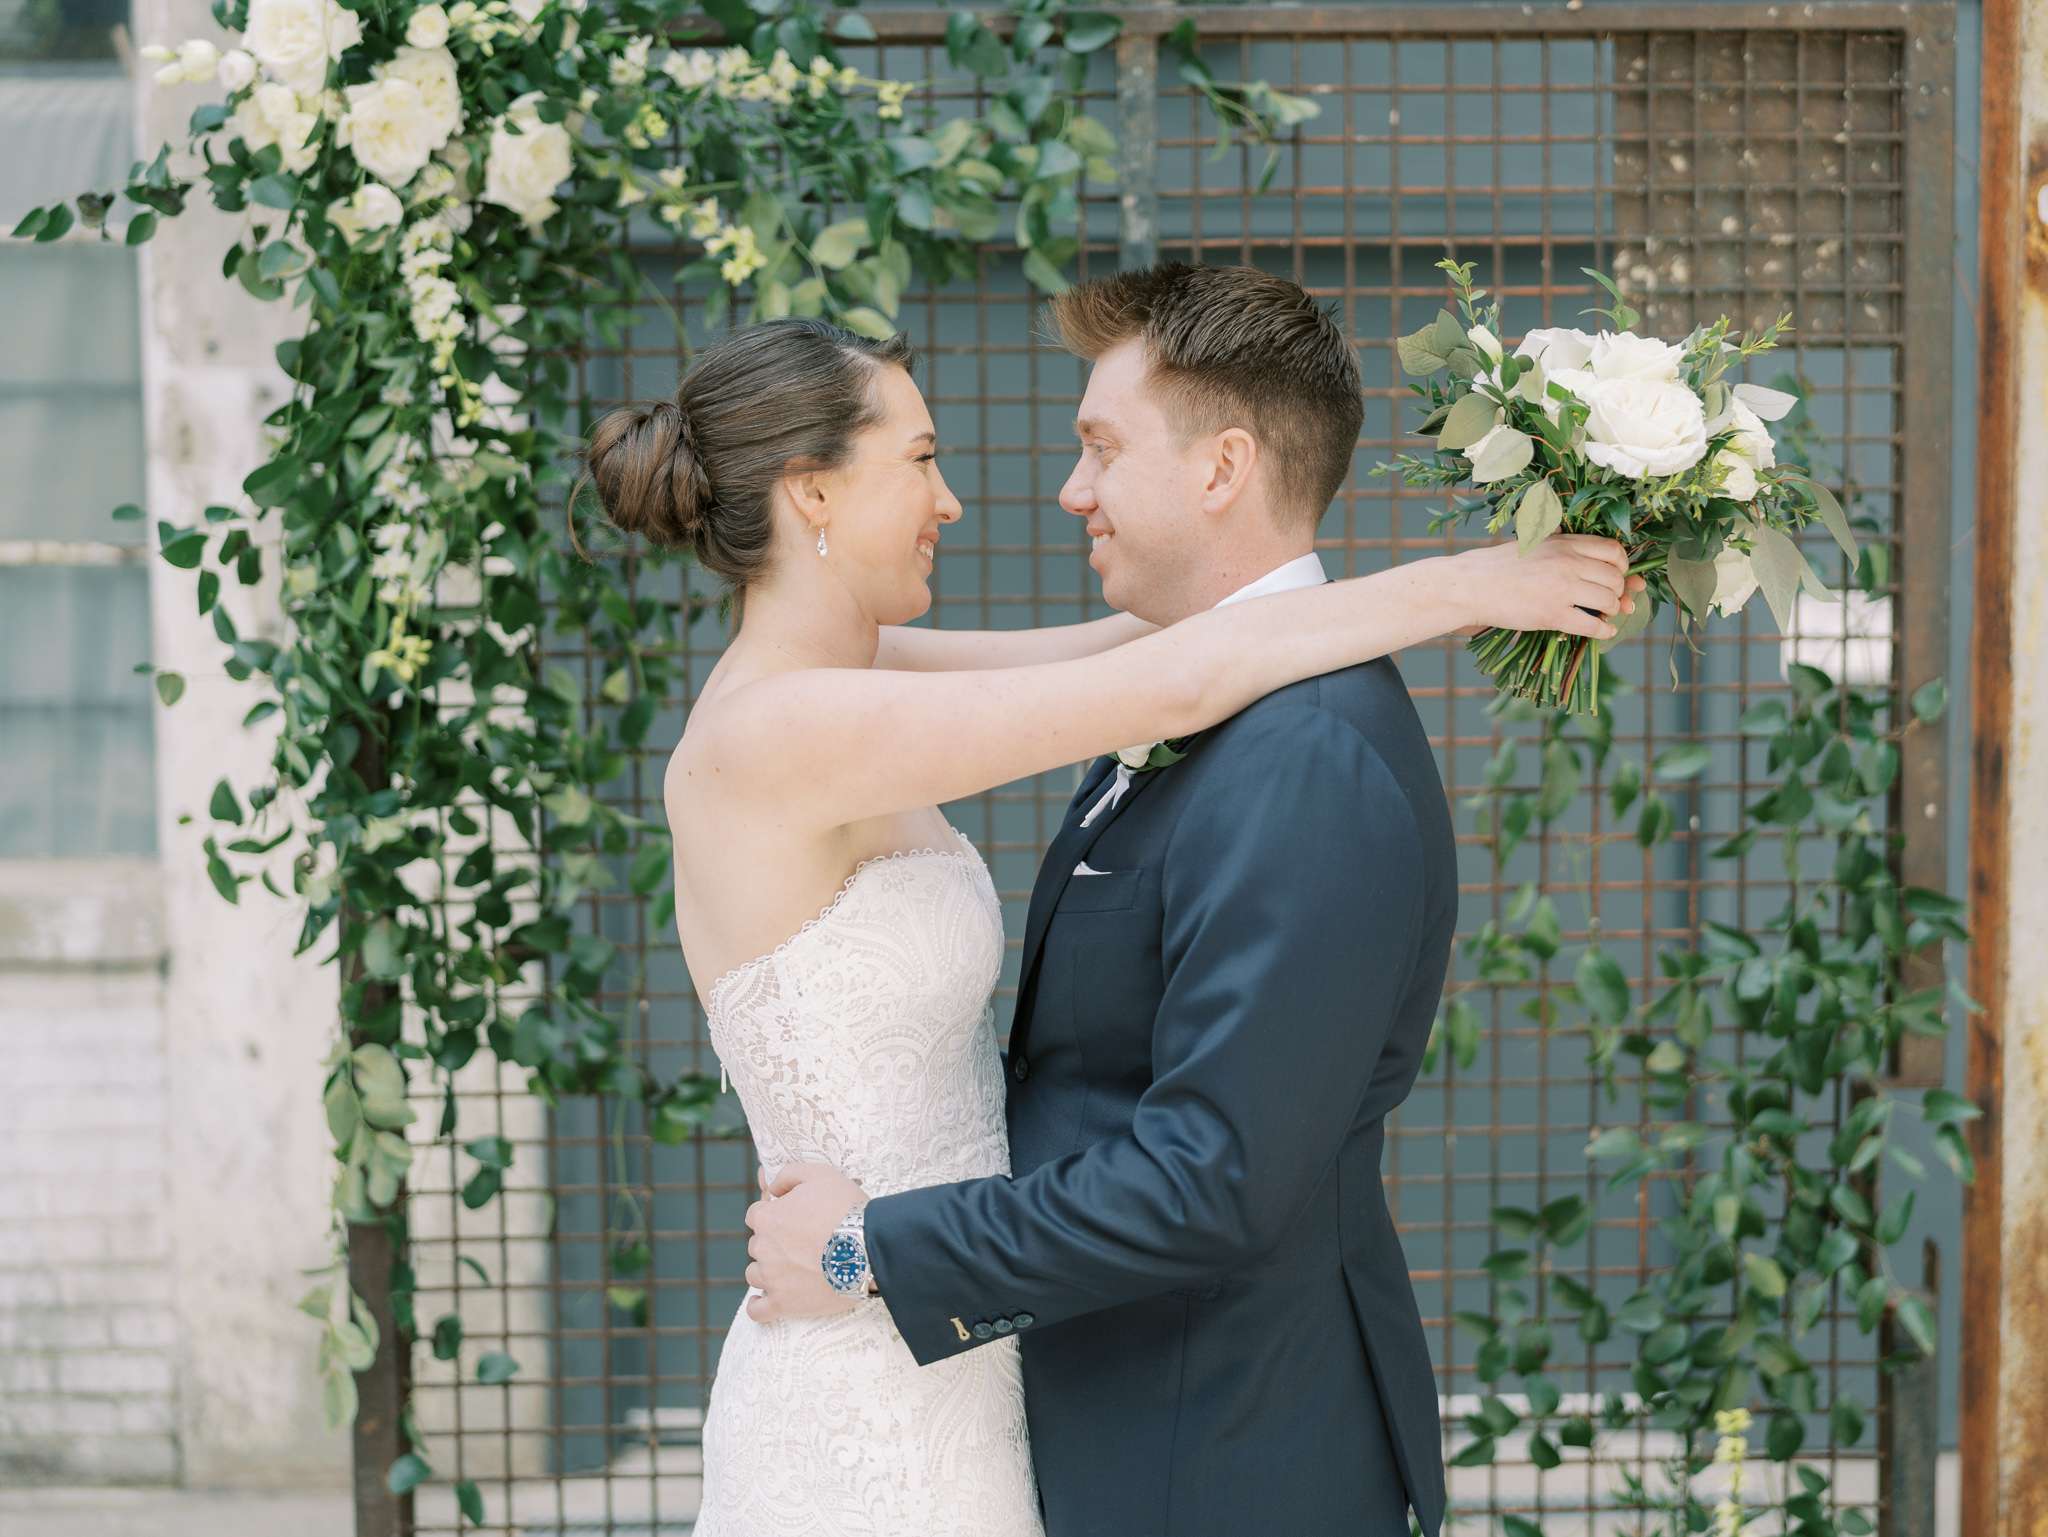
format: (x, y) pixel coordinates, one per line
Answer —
(1762, 90)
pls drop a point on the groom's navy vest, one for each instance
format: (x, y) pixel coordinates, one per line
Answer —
(1194, 1248)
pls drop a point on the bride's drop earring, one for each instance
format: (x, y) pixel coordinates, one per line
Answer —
(821, 539)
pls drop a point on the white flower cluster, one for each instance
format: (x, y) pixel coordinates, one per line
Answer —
(274, 113)
(435, 307)
(292, 41)
(1642, 419)
(1731, 1451)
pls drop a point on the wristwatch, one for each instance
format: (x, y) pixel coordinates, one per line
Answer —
(845, 1260)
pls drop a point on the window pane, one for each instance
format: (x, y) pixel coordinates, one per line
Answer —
(70, 393)
(76, 737)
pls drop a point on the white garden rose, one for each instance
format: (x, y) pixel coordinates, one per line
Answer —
(390, 129)
(430, 71)
(1625, 355)
(1556, 347)
(373, 206)
(1734, 581)
(1752, 438)
(273, 114)
(237, 69)
(1741, 484)
(1486, 342)
(427, 27)
(528, 159)
(1639, 426)
(295, 40)
(190, 63)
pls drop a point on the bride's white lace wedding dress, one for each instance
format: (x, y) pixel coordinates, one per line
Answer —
(866, 1040)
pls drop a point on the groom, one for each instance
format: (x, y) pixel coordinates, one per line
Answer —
(1229, 972)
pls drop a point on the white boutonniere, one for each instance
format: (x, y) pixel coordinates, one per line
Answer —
(1147, 756)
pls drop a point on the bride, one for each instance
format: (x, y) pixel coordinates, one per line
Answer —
(845, 939)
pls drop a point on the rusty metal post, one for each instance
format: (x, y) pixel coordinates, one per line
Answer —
(2005, 1252)
(377, 1437)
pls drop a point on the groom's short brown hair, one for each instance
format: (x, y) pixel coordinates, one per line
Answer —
(1234, 347)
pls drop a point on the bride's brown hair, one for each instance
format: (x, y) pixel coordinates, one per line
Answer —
(698, 470)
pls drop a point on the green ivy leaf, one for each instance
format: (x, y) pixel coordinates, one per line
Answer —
(407, 1474)
(496, 1368)
(471, 1500)
(1603, 987)
(1086, 31)
(1930, 700)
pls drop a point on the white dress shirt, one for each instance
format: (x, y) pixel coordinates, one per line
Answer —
(1303, 571)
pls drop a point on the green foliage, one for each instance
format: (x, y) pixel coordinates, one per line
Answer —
(1759, 1058)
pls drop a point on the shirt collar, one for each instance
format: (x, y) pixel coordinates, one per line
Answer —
(1303, 571)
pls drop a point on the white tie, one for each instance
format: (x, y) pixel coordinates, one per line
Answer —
(1110, 796)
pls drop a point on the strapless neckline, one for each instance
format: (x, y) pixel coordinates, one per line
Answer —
(963, 849)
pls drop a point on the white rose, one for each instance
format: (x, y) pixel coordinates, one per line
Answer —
(295, 40)
(373, 206)
(1734, 581)
(527, 161)
(1135, 758)
(237, 68)
(1640, 427)
(1487, 343)
(428, 27)
(1741, 482)
(528, 11)
(1625, 355)
(430, 71)
(1752, 440)
(390, 129)
(271, 115)
(1556, 347)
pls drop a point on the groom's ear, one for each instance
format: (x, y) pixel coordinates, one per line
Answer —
(1233, 455)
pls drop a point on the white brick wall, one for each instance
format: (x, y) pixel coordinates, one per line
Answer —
(87, 1330)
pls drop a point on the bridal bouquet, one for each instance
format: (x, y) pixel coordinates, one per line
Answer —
(1628, 436)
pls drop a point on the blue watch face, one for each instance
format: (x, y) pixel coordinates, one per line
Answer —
(844, 1261)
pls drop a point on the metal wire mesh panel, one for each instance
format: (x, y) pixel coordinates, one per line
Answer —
(1745, 167)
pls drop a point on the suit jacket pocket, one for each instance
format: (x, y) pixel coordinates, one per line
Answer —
(1099, 893)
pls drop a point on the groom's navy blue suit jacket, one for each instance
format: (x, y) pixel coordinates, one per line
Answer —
(1219, 1336)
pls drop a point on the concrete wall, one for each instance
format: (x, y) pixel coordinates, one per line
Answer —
(162, 1151)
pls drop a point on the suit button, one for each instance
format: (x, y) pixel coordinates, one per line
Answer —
(984, 1331)
(1020, 1069)
(1004, 1326)
(1025, 1320)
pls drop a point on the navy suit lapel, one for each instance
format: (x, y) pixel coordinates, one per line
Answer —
(1069, 849)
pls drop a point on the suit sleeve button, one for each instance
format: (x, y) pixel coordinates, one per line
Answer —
(984, 1331)
(1025, 1320)
(1004, 1326)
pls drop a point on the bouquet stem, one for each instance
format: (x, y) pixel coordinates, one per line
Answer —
(1550, 669)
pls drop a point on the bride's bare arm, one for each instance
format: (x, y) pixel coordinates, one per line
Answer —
(904, 648)
(830, 746)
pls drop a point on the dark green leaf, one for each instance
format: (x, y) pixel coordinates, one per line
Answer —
(407, 1474)
(496, 1368)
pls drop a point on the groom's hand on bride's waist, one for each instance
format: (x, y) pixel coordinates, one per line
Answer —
(801, 1209)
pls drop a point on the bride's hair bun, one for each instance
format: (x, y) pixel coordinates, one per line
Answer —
(649, 475)
(699, 471)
